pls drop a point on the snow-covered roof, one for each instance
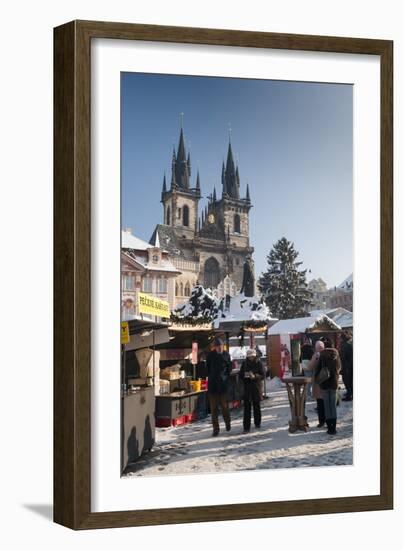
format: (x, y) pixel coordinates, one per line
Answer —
(130, 241)
(347, 284)
(300, 325)
(339, 315)
(142, 261)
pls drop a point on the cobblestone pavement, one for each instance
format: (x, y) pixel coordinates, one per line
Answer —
(191, 449)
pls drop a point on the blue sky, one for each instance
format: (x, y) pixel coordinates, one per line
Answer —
(293, 142)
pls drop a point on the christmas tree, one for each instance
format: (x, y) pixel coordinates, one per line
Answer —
(283, 285)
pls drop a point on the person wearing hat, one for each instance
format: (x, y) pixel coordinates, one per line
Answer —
(251, 374)
(218, 369)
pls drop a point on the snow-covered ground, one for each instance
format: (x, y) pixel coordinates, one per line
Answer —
(191, 449)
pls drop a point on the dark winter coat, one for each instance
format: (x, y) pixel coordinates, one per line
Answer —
(346, 355)
(306, 352)
(218, 369)
(329, 358)
(253, 390)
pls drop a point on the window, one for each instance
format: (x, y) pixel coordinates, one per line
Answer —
(186, 215)
(162, 286)
(237, 223)
(176, 289)
(187, 289)
(147, 284)
(128, 282)
(211, 273)
(168, 216)
(181, 289)
(155, 258)
(179, 213)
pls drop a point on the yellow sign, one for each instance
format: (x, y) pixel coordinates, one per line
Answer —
(124, 333)
(153, 306)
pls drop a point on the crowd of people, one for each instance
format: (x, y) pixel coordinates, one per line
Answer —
(321, 362)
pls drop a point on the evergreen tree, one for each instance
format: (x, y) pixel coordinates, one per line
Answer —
(283, 285)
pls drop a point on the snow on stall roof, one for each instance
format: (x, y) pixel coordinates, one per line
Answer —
(300, 325)
(244, 308)
(339, 315)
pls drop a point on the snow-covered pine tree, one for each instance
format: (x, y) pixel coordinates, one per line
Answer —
(202, 307)
(283, 285)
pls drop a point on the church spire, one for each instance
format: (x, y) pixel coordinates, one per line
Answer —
(230, 175)
(182, 164)
(164, 184)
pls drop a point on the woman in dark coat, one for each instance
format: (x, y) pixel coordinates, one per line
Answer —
(251, 374)
(329, 359)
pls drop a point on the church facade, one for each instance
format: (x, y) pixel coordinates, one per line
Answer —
(207, 245)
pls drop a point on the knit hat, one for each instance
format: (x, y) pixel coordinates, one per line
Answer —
(218, 342)
(251, 353)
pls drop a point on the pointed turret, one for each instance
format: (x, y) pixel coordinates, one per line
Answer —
(173, 180)
(214, 196)
(247, 198)
(164, 184)
(223, 181)
(189, 167)
(198, 190)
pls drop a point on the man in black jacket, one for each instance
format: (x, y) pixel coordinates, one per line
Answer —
(219, 368)
(251, 374)
(346, 356)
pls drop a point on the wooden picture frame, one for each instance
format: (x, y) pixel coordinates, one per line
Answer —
(72, 271)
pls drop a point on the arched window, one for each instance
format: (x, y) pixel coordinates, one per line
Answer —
(181, 289)
(237, 223)
(211, 273)
(186, 215)
(187, 289)
(176, 289)
(168, 216)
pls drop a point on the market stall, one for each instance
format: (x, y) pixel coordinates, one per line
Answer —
(183, 386)
(139, 383)
(287, 335)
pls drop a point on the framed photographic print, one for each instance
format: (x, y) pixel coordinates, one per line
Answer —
(223, 275)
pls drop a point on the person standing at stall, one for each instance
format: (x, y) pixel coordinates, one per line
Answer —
(346, 356)
(218, 370)
(327, 376)
(251, 374)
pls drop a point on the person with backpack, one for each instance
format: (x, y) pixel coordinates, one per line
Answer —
(327, 376)
(251, 374)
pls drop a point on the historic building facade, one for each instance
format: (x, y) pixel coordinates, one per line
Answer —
(144, 268)
(207, 247)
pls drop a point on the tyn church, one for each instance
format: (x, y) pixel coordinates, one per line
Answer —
(209, 249)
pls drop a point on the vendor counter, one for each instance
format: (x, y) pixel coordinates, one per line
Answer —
(176, 408)
(138, 425)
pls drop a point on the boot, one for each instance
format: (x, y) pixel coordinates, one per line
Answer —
(331, 424)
